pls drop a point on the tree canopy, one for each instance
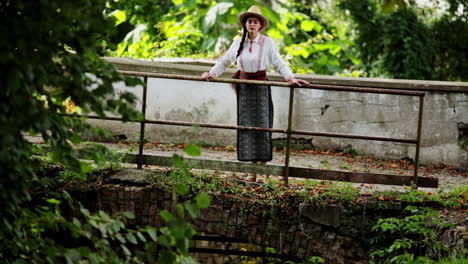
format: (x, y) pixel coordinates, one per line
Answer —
(374, 38)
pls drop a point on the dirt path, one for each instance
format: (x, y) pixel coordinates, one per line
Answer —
(448, 176)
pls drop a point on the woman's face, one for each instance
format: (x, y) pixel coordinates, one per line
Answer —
(253, 24)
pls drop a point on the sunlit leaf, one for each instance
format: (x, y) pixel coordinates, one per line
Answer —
(129, 215)
(389, 5)
(181, 188)
(309, 25)
(125, 250)
(274, 33)
(177, 160)
(177, 2)
(85, 167)
(75, 139)
(194, 211)
(53, 201)
(152, 233)
(192, 150)
(120, 17)
(203, 200)
(271, 14)
(131, 238)
(166, 216)
(322, 60)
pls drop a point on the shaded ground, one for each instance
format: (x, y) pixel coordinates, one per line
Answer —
(328, 160)
(448, 176)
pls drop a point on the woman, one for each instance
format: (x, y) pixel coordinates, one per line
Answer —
(254, 53)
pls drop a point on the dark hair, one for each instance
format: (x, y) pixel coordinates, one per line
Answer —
(244, 35)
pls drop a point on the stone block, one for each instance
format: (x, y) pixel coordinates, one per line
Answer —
(220, 229)
(254, 220)
(252, 233)
(286, 248)
(121, 194)
(225, 216)
(328, 215)
(231, 231)
(167, 195)
(329, 237)
(154, 195)
(232, 220)
(132, 176)
(396, 206)
(301, 253)
(258, 239)
(212, 214)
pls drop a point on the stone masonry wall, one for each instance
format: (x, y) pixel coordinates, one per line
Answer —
(337, 234)
(317, 232)
(332, 232)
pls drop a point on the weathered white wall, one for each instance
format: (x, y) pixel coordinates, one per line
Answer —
(388, 116)
(190, 101)
(315, 110)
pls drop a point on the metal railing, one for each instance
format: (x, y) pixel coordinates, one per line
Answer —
(289, 131)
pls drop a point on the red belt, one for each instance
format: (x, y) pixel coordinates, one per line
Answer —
(260, 75)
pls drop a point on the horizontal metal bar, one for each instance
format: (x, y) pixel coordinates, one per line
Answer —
(191, 124)
(274, 130)
(279, 84)
(220, 239)
(238, 253)
(180, 123)
(364, 90)
(298, 172)
(338, 135)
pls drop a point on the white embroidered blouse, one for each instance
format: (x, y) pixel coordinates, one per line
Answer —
(257, 55)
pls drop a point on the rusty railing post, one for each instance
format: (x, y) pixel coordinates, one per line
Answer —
(288, 138)
(418, 140)
(142, 125)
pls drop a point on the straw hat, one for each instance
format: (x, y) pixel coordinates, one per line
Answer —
(254, 11)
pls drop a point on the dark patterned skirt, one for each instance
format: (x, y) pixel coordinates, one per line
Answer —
(254, 109)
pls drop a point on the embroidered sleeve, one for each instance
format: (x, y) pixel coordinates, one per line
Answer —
(225, 60)
(281, 66)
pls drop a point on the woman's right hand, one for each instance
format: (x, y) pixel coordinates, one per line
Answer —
(207, 76)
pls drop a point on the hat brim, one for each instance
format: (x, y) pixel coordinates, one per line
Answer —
(263, 19)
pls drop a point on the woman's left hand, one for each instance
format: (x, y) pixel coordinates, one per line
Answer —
(298, 82)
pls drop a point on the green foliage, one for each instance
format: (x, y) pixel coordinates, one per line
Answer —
(205, 28)
(411, 259)
(49, 237)
(168, 244)
(397, 40)
(451, 35)
(51, 56)
(391, 38)
(317, 37)
(50, 66)
(455, 198)
(339, 192)
(395, 240)
(395, 45)
(138, 21)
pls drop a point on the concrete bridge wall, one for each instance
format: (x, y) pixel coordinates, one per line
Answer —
(445, 130)
(336, 232)
(319, 231)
